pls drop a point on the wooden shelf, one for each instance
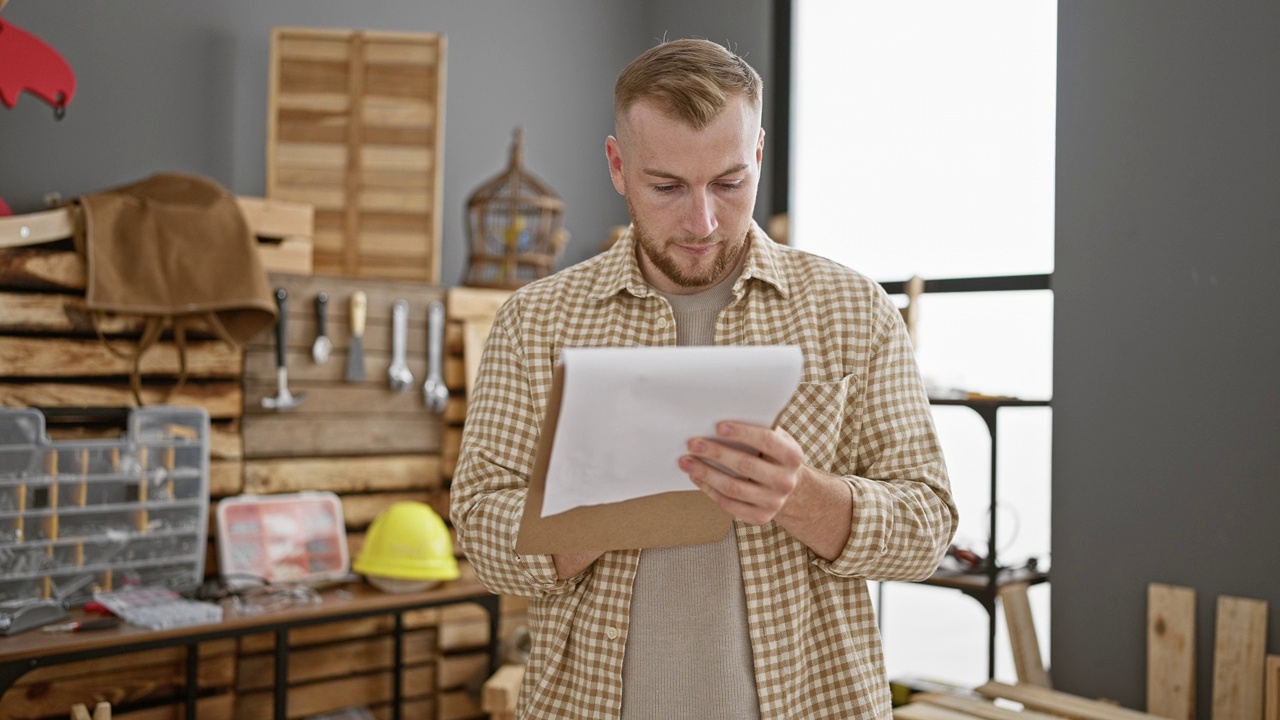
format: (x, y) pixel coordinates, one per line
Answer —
(980, 582)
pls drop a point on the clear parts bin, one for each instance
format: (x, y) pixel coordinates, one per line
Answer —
(78, 516)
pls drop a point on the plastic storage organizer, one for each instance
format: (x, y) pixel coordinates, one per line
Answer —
(83, 515)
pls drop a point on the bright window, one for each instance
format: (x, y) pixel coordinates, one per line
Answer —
(923, 144)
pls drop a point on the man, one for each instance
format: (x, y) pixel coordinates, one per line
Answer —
(775, 620)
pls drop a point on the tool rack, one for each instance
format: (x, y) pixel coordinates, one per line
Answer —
(85, 515)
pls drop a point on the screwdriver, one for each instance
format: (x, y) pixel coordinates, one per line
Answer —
(82, 625)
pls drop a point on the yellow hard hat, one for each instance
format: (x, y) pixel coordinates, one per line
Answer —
(407, 548)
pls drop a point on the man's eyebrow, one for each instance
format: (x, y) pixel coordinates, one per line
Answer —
(653, 172)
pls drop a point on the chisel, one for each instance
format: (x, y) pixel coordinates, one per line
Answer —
(355, 351)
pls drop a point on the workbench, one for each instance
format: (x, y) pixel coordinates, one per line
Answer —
(33, 649)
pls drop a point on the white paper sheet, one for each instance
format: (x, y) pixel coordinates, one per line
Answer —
(627, 414)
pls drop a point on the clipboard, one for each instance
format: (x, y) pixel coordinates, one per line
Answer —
(664, 520)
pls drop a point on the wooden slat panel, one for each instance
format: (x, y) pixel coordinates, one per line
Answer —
(380, 49)
(1171, 651)
(389, 123)
(394, 157)
(283, 435)
(344, 475)
(313, 76)
(320, 196)
(1240, 649)
(312, 45)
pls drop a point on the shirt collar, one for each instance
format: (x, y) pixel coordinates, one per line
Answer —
(620, 270)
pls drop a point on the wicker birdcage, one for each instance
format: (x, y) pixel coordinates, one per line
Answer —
(514, 227)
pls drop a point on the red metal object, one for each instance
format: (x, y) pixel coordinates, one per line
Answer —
(29, 64)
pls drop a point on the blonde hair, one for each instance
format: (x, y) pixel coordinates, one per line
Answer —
(691, 80)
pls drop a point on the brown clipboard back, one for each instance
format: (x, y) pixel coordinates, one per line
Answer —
(663, 520)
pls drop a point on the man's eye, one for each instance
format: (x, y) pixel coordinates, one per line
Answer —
(664, 188)
(731, 185)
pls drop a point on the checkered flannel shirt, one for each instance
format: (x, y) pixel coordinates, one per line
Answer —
(860, 413)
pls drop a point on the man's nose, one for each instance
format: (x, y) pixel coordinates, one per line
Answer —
(701, 219)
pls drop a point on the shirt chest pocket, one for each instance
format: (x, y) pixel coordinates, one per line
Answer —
(815, 418)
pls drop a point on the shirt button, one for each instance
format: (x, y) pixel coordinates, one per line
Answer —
(611, 633)
(662, 322)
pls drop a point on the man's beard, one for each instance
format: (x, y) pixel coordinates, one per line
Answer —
(726, 256)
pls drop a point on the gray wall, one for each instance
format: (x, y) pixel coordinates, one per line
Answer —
(1166, 394)
(182, 86)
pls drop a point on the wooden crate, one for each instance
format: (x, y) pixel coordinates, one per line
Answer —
(355, 127)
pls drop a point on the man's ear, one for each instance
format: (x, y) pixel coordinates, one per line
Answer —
(614, 153)
(760, 148)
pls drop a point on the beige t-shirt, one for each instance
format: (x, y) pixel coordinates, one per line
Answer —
(688, 653)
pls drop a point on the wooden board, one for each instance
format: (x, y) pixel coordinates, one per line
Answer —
(1054, 702)
(1272, 710)
(1027, 661)
(283, 230)
(335, 660)
(976, 708)
(337, 693)
(1171, 651)
(338, 418)
(928, 711)
(355, 127)
(1239, 655)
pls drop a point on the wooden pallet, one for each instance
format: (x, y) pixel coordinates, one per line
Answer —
(355, 127)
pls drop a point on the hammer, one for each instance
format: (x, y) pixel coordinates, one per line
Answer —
(283, 400)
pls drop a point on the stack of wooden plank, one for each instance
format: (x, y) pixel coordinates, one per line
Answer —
(341, 665)
(1038, 703)
(470, 316)
(51, 358)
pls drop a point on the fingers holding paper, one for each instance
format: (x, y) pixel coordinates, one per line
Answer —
(758, 474)
(748, 470)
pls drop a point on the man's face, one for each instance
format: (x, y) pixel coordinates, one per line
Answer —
(690, 192)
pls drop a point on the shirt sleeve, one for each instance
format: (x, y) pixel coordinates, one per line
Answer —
(904, 515)
(499, 445)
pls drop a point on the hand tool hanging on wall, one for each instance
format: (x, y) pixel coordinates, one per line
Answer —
(322, 346)
(355, 350)
(434, 392)
(398, 373)
(283, 399)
